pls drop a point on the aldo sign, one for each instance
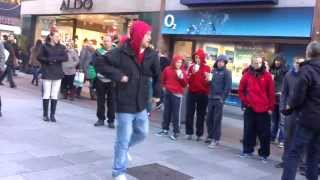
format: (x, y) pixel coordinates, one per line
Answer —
(76, 4)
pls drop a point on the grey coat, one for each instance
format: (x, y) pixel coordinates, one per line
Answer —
(69, 67)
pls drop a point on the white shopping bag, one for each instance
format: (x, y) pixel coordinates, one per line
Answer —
(78, 79)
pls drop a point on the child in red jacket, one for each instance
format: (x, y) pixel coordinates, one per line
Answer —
(257, 93)
(198, 91)
(174, 80)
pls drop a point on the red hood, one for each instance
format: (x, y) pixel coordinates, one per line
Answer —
(175, 59)
(137, 32)
(202, 55)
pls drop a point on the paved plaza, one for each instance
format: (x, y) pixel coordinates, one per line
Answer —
(73, 149)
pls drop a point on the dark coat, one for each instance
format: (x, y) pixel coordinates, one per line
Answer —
(221, 84)
(12, 57)
(306, 98)
(51, 59)
(131, 97)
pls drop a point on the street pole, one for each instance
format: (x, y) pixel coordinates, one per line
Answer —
(161, 15)
(316, 22)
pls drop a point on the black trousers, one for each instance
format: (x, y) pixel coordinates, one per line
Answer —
(257, 125)
(103, 90)
(9, 73)
(171, 112)
(199, 103)
(290, 126)
(214, 119)
(304, 137)
(67, 83)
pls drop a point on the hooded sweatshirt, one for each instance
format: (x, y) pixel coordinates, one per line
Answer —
(306, 96)
(170, 80)
(137, 32)
(197, 81)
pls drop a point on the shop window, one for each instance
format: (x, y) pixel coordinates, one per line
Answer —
(183, 48)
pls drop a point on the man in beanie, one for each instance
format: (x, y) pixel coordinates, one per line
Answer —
(131, 66)
(221, 83)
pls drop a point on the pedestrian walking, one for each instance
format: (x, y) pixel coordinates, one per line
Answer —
(221, 82)
(86, 55)
(131, 66)
(306, 100)
(174, 80)
(197, 98)
(2, 67)
(35, 64)
(278, 70)
(105, 86)
(290, 121)
(51, 57)
(69, 70)
(11, 62)
(257, 93)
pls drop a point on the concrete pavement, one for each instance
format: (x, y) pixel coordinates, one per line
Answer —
(72, 149)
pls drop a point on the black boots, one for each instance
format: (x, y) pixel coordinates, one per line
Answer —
(53, 110)
(45, 104)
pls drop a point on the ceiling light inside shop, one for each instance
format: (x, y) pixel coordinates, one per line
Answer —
(109, 21)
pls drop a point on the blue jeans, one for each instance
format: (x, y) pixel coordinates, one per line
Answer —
(303, 137)
(132, 129)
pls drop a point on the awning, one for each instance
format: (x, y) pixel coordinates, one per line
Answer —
(10, 10)
(217, 2)
(268, 22)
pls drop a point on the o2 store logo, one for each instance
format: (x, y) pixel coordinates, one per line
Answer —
(169, 22)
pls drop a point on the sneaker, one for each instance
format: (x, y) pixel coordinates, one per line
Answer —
(280, 165)
(208, 141)
(213, 144)
(246, 155)
(121, 177)
(99, 123)
(264, 160)
(281, 145)
(111, 125)
(174, 137)
(163, 133)
(129, 157)
(189, 137)
(1, 84)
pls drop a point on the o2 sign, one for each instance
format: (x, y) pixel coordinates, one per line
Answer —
(169, 21)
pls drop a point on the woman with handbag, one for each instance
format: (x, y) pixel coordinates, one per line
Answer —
(51, 57)
(69, 69)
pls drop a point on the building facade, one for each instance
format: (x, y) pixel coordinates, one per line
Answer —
(10, 17)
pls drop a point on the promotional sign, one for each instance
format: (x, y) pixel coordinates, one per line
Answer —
(214, 2)
(269, 22)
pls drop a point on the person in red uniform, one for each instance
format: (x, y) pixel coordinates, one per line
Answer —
(197, 98)
(257, 94)
(174, 80)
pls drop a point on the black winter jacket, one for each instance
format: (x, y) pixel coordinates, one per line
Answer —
(306, 98)
(51, 59)
(131, 97)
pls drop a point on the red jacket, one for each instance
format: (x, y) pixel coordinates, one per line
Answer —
(170, 80)
(257, 92)
(197, 81)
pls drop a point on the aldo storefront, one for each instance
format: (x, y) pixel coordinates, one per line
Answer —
(238, 33)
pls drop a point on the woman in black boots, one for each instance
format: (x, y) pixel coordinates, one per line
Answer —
(51, 57)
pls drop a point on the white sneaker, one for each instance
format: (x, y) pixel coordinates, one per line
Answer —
(121, 177)
(213, 144)
(129, 156)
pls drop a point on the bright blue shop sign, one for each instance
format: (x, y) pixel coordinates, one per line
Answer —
(270, 22)
(214, 2)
